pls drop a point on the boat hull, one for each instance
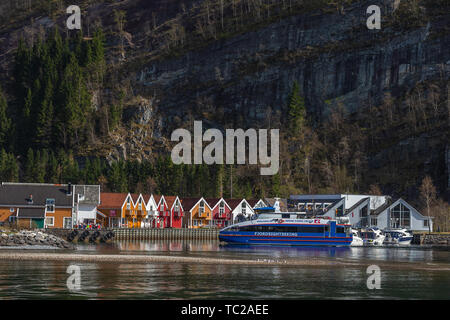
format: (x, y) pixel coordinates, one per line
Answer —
(299, 240)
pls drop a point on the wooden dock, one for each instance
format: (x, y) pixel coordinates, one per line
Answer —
(165, 234)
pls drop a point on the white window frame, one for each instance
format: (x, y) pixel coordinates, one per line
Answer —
(47, 205)
(201, 208)
(50, 224)
(64, 222)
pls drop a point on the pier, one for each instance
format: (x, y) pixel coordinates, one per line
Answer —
(166, 234)
(135, 234)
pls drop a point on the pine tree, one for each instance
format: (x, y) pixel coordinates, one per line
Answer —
(296, 109)
(29, 167)
(5, 122)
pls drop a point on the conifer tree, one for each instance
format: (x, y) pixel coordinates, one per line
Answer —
(5, 122)
(29, 167)
(296, 109)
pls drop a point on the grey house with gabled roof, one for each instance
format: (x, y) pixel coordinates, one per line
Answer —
(44, 205)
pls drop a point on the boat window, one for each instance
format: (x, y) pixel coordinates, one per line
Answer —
(339, 229)
(285, 228)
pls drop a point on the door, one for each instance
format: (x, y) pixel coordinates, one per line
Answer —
(332, 228)
(39, 223)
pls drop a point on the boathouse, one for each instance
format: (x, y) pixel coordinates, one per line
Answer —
(152, 213)
(241, 210)
(197, 212)
(175, 208)
(221, 212)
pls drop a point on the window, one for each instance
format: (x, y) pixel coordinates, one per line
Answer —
(373, 221)
(202, 208)
(221, 208)
(50, 221)
(244, 207)
(400, 216)
(364, 217)
(50, 205)
(195, 223)
(285, 228)
(128, 204)
(340, 211)
(67, 223)
(425, 223)
(11, 209)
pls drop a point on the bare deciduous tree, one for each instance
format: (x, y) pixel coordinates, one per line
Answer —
(428, 195)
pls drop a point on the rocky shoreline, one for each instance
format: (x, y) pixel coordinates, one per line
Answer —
(32, 238)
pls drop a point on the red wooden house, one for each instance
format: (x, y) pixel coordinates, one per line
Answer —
(175, 212)
(221, 212)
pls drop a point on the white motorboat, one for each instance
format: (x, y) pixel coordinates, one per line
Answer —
(357, 240)
(397, 236)
(372, 237)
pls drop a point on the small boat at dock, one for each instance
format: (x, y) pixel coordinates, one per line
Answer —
(357, 240)
(397, 236)
(372, 236)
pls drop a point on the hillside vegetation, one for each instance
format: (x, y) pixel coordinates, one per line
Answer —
(359, 111)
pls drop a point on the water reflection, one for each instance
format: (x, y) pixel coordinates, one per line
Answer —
(216, 250)
(37, 279)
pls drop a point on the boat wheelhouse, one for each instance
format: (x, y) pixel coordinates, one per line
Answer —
(279, 231)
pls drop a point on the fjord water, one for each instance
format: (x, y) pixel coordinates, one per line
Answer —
(347, 279)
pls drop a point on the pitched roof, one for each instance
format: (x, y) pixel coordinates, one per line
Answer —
(146, 197)
(135, 197)
(112, 200)
(212, 202)
(356, 205)
(17, 194)
(253, 202)
(383, 207)
(157, 198)
(170, 201)
(31, 213)
(233, 203)
(189, 203)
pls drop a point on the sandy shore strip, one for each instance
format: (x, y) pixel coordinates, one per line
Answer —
(121, 258)
(125, 258)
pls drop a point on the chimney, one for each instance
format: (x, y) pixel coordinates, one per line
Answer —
(69, 189)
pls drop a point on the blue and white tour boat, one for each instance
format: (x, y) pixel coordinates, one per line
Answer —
(282, 229)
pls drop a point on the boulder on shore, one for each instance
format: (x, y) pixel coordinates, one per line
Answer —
(32, 238)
